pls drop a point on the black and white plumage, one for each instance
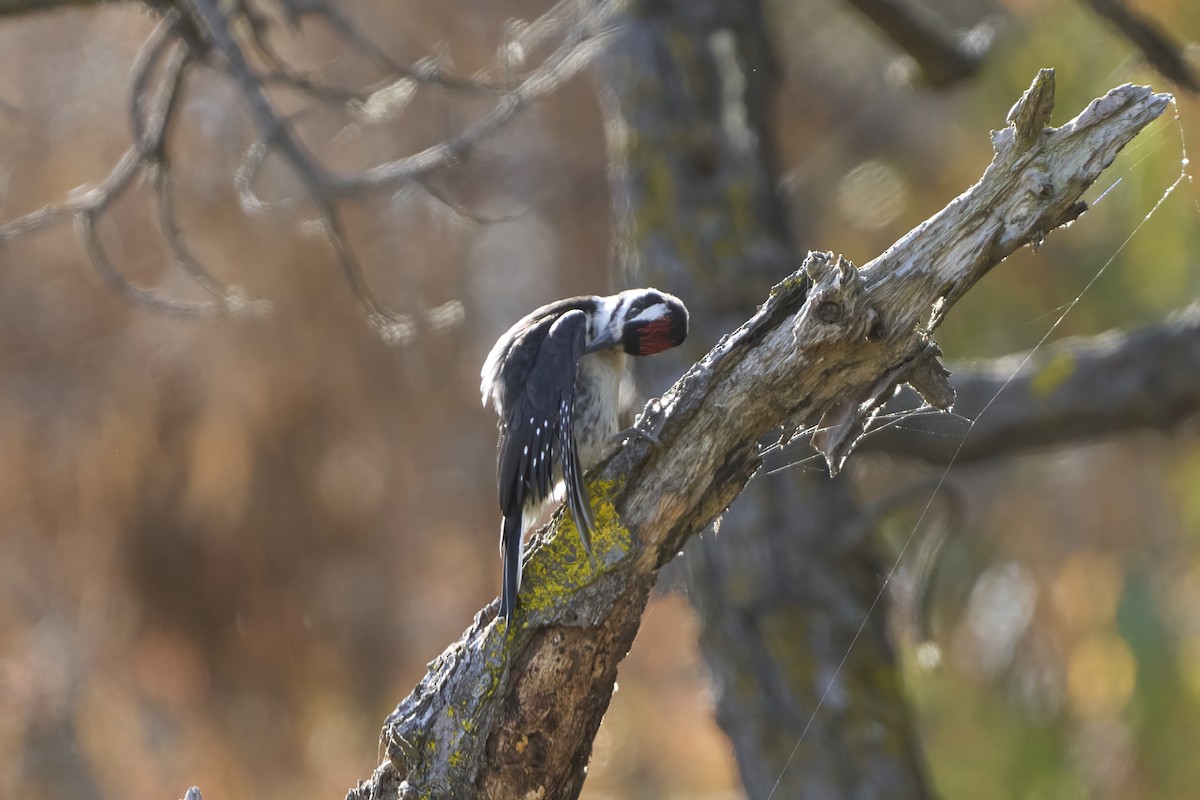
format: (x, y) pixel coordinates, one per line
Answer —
(555, 380)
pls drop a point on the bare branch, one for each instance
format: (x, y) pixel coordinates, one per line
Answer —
(1160, 50)
(83, 199)
(151, 111)
(230, 299)
(325, 189)
(104, 267)
(1074, 389)
(582, 42)
(148, 143)
(943, 57)
(213, 25)
(224, 36)
(511, 709)
(459, 210)
(162, 40)
(425, 72)
(393, 328)
(287, 75)
(10, 8)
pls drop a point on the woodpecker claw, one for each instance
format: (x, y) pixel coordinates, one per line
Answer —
(636, 432)
(649, 417)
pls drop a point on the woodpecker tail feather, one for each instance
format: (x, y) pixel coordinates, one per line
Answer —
(511, 532)
(577, 495)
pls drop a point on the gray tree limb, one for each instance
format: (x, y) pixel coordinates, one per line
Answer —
(511, 709)
(944, 57)
(13, 7)
(1160, 49)
(1074, 389)
(234, 39)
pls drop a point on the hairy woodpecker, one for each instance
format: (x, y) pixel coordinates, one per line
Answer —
(555, 379)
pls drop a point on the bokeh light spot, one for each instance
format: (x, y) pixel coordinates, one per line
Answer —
(871, 195)
(1100, 675)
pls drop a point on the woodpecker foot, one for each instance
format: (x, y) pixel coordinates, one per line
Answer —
(645, 426)
(635, 432)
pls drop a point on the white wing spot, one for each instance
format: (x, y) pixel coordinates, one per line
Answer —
(525, 449)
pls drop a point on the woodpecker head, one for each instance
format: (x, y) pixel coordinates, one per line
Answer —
(641, 322)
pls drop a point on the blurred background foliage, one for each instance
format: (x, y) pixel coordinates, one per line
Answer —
(218, 537)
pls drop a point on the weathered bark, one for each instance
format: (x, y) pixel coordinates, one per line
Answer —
(785, 587)
(13, 7)
(1078, 388)
(511, 709)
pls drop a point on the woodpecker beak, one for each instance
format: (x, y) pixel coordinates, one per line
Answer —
(604, 341)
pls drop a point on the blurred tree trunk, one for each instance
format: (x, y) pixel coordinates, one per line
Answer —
(784, 588)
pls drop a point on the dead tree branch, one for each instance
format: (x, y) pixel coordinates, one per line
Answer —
(156, 89)
(1159, 48)
(944, 57)
(1074, 389)
(236, 40)
(511, 711)
(10, 8)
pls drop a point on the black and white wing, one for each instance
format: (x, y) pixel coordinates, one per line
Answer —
(536, 426)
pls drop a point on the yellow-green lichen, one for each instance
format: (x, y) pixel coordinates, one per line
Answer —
(559, 566)
(792, 283)
(1052, 374)
(461, 738)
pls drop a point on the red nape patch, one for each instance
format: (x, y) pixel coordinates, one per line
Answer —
(654, 337)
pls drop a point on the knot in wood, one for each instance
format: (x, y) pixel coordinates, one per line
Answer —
(831, 312)
(836, 304)
(1023, 215)
(1038, 183)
